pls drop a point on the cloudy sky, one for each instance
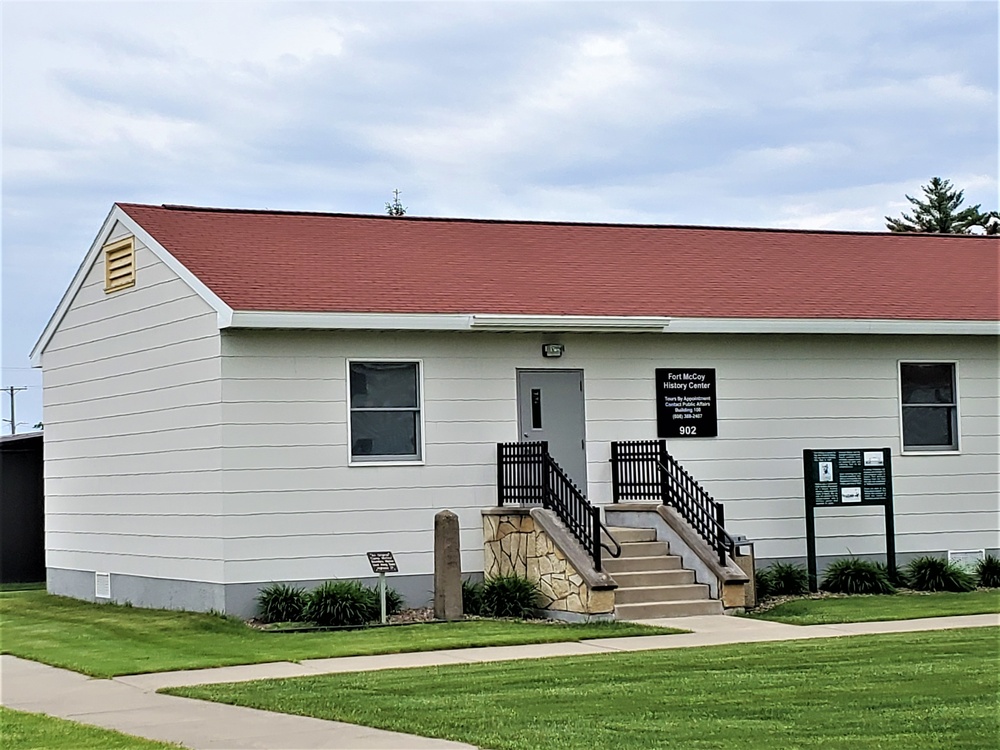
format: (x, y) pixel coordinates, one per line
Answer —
(787, 114)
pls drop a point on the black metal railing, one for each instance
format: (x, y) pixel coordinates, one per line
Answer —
(643, 470)
(528, 475)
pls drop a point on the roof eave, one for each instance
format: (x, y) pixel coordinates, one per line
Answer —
(249, 319)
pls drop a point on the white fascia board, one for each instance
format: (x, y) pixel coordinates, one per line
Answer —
(836, 326)
(602, 324)
(596, 323)
(224, 311)
(114, 216)
(348, 321)
(443, 322)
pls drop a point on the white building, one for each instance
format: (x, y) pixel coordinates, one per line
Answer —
(238, 397)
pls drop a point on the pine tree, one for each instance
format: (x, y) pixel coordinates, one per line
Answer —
(939, 213)
(395, 208)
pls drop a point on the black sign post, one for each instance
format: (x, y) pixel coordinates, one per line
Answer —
(685, 403)
(382, 563)
(846, 477)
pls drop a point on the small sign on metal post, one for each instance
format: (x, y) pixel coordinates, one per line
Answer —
(382, 563)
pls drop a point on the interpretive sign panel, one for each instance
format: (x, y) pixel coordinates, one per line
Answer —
(842, 477)
(382, 562)
(686, 403)
(848, 477)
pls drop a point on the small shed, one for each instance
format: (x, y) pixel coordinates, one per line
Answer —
(22, 509)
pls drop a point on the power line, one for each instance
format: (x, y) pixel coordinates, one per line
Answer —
(12, 391)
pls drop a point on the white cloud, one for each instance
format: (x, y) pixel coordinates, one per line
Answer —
(770, 114)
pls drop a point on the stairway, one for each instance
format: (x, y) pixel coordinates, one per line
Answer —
(651, 581)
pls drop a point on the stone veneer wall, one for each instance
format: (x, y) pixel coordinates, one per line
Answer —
(515, 544)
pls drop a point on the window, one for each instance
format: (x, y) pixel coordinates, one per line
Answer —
(929, 404)
(385, 411)
(119, 265)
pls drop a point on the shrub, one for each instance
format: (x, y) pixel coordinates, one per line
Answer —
(509, 596)
(854, 576)
(279, 602)
(895, 577)
(763, 583)
(393, 601)
(472, 597)
(937, 574)
(788, 579)
(988, 570)
(341, 603)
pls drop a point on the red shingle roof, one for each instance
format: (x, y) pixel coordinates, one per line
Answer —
(304, 262)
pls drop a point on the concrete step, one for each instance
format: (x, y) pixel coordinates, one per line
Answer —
(658, 594)
(623, 534)
(635, 564)
(644, 549)
(632, 579)
(669, 609)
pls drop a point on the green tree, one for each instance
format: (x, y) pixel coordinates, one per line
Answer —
(395, 208)
(940, 213)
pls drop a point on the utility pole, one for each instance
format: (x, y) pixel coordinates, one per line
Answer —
(12, 390)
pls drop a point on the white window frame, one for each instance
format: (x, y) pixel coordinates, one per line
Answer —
(903, 450)
(387, 461)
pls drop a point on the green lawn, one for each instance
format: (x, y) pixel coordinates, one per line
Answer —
(933, 691)
(105, 640)
(24, 731)
(903, 606)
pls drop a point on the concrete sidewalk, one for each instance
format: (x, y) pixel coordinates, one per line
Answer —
(130, 704)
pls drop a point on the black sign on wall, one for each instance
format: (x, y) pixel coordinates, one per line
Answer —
(685, 403)
(845, 477)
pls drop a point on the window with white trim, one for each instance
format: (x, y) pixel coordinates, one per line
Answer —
(929, 406)
(385, 411)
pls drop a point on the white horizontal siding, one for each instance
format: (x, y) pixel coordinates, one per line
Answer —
(288, 486)
(132, 411)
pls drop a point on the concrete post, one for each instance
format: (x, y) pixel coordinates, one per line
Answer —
(447, 567)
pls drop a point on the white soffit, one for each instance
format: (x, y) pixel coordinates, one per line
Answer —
(836, 326)
(602, 324)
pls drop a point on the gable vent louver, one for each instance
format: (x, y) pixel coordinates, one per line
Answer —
(119, 265)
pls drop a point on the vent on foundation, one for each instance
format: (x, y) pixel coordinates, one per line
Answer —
(102, 585)
(966, 558)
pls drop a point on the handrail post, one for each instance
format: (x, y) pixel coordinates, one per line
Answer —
(500, 477)
(595, 514)
(546, 478)
(720, 519)
(614, 472)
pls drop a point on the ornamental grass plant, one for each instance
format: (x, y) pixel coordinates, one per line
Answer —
(281, 602)
(340, 603)
(988, 571)
(928, 573)
(786, 579)
(854, 576)
(509, 596)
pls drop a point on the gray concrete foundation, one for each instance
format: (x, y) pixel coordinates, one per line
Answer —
(236, 599)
